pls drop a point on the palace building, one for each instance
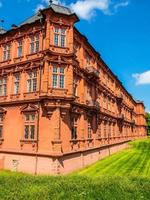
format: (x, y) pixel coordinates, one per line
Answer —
(61, 107)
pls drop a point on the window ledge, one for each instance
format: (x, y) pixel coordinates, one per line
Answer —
(62, 89)
(56, 141)
(74, 140)
(3, 97)
(18, 58)
(15, 95)
(30, 93)
(34, 53)
(55, 46)
(5, 61)
(89, 139)
(28, 141)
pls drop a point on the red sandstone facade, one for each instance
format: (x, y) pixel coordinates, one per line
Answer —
(61, 107)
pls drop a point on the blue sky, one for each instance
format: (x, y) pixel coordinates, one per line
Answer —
(118, 29)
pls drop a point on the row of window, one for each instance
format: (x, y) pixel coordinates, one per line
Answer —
(29, 126)
(30, 122)
(34, 47)
(59, 40)
(108, 130)
(58, 81)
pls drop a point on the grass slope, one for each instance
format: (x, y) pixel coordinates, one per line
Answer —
(123, 176)
(133, 161)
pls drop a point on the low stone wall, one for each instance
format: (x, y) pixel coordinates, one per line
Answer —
(72, 162)
(57, 165)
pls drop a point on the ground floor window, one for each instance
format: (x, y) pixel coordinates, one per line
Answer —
(99, 130)
(89, 129)
(1, 131)
(74, 129)
(30, 126)
(1, 126)
(105, 131)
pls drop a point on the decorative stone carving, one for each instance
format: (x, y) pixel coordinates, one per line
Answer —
(2, 111)
(29, 108)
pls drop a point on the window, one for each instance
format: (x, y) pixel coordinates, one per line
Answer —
(3, 86)
(34, 43)
(89, 92)
(16, 83)
(32, 81)
(89, 129)
(99, 130)
(75, 86)
(74, 129)
(6, 52)
(1, 126)
(29, 129)
(60, 37)
(20, 48)
(105, 131)
(88, 59)
(58, 77)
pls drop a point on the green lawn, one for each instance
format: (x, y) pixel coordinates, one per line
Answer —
(134, 161)
(123, 176)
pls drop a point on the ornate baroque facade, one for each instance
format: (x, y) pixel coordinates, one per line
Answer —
(61, 107)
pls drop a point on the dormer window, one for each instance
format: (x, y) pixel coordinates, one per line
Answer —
(34, 44)
(60, 37)
(6, 52)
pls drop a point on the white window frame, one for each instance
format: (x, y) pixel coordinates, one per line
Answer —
(30, 121)
(34, 43)
(6, 52)
(32, 81)
(57, 73)
(19, 51)
(16, 83)
(3, 86)
(60, 37)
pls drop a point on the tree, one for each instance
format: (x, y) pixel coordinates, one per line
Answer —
(148, 122)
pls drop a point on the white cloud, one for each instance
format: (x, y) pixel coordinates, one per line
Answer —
(86, 9)
(143, 78)
(121, 4)
(43, 4)
(38, 7)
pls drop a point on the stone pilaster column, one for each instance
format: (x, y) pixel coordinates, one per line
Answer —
(57, 133)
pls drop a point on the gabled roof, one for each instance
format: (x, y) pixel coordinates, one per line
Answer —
(56, 8)
(2, 31)
(61, 9)
(31, 19)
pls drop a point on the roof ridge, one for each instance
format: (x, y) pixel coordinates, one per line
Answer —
(60, 6)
